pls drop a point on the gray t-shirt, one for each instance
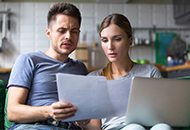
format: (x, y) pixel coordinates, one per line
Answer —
(138, 70)
(37, 72)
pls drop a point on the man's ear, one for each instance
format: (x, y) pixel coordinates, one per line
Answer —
(48, 33)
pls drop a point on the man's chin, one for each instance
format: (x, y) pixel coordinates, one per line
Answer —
(65, 52)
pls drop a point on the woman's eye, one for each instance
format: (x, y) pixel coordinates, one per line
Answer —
(118, 39)
(104, 40)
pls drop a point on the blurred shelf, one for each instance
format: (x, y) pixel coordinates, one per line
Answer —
(178, 67)
(5, 69)
(93, 69)
(144, 45)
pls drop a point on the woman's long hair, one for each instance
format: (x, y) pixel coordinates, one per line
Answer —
(121, 21)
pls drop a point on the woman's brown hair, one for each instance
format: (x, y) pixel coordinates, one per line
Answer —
(121, 21)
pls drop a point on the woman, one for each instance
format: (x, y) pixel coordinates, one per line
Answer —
(116, 39)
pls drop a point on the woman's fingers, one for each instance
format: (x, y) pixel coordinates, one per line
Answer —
(82, 123)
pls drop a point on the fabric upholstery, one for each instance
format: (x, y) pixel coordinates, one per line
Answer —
(2, 102)
(7, 123)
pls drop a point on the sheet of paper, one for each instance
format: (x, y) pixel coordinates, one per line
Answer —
(94, 96)
(118, 91)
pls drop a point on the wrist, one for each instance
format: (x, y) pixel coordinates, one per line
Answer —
(48, 114)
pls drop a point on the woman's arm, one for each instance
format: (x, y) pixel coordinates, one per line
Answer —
(18, 112)
(94, 124)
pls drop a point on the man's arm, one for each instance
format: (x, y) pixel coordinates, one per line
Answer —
(18, 112)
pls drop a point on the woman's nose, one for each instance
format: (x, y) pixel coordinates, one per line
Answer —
(110, 45)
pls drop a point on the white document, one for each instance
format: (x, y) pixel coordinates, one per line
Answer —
(94, 96)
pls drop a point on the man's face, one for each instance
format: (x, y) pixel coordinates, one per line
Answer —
(64, 34)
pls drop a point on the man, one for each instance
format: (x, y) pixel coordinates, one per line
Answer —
(32, 92)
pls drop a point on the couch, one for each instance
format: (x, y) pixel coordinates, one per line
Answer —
(4, 122)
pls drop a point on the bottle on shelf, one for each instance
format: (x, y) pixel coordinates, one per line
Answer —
(94, 54)
(188, 53)
(170, 61)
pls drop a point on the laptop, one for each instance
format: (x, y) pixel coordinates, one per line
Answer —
(159, 100)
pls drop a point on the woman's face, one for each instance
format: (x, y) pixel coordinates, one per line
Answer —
(115, 43)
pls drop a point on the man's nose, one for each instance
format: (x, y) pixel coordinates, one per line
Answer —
(68, 35)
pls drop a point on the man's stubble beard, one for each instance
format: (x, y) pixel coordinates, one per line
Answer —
(62, 53)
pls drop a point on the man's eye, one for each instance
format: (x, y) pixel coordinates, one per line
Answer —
(74, 31)
(61, 31)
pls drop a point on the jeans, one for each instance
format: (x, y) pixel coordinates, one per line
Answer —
(37, 126)
(160, 126)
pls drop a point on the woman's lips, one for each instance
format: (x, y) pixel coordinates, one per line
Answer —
(112, 54)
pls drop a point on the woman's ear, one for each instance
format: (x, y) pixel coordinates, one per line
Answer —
(130, 41)
(48, 33)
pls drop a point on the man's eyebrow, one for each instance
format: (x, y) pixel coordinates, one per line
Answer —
(62, 28)
(71, 29)
(75, 28)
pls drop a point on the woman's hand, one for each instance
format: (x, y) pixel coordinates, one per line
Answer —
(82, 123)
(62, 110)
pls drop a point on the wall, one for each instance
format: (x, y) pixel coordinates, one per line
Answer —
(28, 24)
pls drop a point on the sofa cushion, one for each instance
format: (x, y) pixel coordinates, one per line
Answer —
(186, 77)
(7, 123)
(2, 102)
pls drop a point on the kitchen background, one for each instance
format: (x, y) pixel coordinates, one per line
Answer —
(151, 22)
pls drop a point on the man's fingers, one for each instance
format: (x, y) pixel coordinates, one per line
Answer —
(62, 110)
(58, 105)
(63, 116)
(72, 109)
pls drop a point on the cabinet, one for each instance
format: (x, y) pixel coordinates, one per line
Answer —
(181, 11)
(176, 71)
(81, 53)
(187, 6)
(5, 77)
(178, 6)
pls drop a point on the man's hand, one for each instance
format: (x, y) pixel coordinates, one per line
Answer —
(62, 110)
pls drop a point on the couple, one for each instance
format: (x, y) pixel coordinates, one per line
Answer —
(32, 92)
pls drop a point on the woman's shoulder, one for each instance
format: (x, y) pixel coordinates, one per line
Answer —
(147, 70)
(150, 66)
(95, 73)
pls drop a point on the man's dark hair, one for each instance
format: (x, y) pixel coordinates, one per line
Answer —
(63, 8)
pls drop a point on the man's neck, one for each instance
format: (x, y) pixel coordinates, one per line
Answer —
(56, 56)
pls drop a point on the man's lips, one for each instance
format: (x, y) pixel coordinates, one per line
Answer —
(66, 45)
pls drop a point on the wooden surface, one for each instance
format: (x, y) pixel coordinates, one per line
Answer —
(177, 67)
(5, 69)
(157, 65)
(93, 69)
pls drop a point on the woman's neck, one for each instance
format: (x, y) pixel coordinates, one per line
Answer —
(121, 69)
